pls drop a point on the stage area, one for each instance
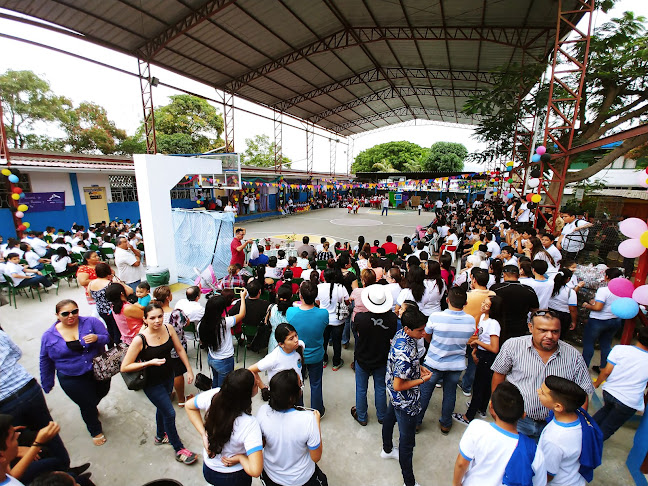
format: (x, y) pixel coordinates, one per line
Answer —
(351, 452)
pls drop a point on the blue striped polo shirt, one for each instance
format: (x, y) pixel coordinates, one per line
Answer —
(450, 332)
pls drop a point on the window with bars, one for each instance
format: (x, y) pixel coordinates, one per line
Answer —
(123, 188)
(5, 193)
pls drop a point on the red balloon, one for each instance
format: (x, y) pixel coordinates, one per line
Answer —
(22, 227)
(528, 197)
(17, 190)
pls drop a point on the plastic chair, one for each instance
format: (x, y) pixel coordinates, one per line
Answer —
(48, 271)
(14, 290)
(248, 333)
(321, 264)
(191, 333)
(108, 253)
(452, 250)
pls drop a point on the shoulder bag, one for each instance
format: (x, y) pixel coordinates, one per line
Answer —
(107, 364)
(136, 380)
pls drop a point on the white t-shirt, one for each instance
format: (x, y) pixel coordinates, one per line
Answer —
(11, 481)
(330, 303)
(431, 300)
(306, 273)
(282, 263)
(16, 250)
(385, 203)
(512, 261)
(289, 436)
(561, 445)
(124, 260)
(525, 215)
(13, 268)
(627, 381)
(452, 240)
(271, 272)
(39, 246)
(226, 349)
(302, 262)
(60, 264)
(493, 248)
(245, 439)
(543, 289)
(574, 241)
(278, 360)
(487, 328)
(604, 295)
(32, 258)
(555, 254)
(489, 449)
(395, 290)
(563, 299)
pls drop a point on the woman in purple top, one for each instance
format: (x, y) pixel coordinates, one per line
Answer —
(68, 348)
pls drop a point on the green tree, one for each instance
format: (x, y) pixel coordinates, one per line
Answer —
(260, 152)
(396, 154)
(89, 130)
(614, 97)
(27, 100)
(445, 156)
(384, 166)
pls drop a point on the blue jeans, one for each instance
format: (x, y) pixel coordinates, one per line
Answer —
(450, 379)
(604, 331)
(160, 396)
(406, 439)
(380, 391)
(86, 392)
(220, 368)
(530, 427)
(237, 478)
(346, 333)
(30, 410)
(612, 415)
(315, 372)
(466, 382)
(34, 281)
(384, 211)
(133, 285)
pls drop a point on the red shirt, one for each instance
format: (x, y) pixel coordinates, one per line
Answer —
(297, 271)
(237, 256)
(390, 247)
(374, 249)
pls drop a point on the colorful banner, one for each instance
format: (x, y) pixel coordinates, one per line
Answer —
(44, 201)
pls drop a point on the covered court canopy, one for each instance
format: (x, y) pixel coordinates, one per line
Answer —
(345, 65)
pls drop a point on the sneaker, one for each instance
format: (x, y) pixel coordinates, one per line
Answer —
(324, 364)
(323, 413)
(339, 365)
(466, 394)
(354, 414)
(439, 385)
(444, 430)
(162, 441)
(458, 417)
(389, 455)
(185, 456)
(480, 412)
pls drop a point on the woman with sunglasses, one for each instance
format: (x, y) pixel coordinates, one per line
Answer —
(68, 347)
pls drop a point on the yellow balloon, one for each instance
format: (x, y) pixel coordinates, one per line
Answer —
(15, 197)
(510, 164)
(27, 225)
(6, 172)
(23, 208)
(536, 198)
(644, 239)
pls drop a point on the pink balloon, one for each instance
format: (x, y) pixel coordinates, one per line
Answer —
(631, 248)
(20, 214)
(642, 179)
(621, 287)
(633, 227)
(640, 294)
(541, 150)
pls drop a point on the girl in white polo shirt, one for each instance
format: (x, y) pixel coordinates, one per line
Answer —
(293, 442)
(233, 447)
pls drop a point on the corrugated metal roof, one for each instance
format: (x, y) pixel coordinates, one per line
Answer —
(274, 51)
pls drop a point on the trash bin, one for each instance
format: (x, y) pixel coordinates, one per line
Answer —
(157, 276)
(164, 482)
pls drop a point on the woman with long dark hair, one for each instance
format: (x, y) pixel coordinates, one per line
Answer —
(496, 270)
(426, 293)
(278, 312)
(233, 445)
(128, 317)
(290, 457)
(151, 350)
(215, 333)
(564, 302)
(535, 251)
(330, 296)
(447, 272)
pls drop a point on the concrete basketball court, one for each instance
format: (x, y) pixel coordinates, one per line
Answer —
(351, 452)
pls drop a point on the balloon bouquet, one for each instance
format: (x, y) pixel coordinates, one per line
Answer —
(17, 194)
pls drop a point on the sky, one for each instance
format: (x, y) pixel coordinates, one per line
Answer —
(119, 94)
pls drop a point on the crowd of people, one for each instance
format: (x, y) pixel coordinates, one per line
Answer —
(495, 330)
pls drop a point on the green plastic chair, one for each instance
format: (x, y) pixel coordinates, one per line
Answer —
(48, 271)
(248, 333)
(14, 290)
(108, 253)
(94, 247)
(321, 264)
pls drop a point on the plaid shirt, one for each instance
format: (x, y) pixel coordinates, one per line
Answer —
(231, 281)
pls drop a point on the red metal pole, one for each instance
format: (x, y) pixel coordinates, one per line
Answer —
(4, 153)
(640, 279)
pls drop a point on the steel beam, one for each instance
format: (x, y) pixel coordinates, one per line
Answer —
(332, 156)
(179, 27)
(278, 140)
(147, 105)
(357, 36)
(404, 112)
(310, 137)
(227, 99)
(396, 92)
(349, 154)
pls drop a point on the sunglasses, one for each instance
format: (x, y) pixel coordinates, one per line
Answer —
(540, 313)
(67, 313)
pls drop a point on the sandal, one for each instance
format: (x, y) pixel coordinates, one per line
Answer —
(99, 440)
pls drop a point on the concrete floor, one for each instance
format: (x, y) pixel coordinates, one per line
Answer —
(351, 452)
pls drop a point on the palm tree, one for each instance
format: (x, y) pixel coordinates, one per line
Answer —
(384, 166)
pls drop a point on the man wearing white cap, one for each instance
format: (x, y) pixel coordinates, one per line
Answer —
(374, 331)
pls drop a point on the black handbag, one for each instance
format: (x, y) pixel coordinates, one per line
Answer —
(202, 381)
(136, 380)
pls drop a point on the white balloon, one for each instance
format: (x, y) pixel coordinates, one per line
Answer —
(533, 182)
(643, 179)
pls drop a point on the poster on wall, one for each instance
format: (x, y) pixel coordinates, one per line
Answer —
(44, 201)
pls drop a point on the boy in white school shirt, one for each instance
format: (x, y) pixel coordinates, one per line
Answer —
(486, 449)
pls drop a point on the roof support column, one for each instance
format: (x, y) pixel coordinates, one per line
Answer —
(310, 137)
(4, 159)
(278, 140)
(568, 70)
(228, 118)
(146, 85)
(332, 156)
(349, 154)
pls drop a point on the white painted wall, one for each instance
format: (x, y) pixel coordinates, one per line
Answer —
(87, 179)
(52, 182)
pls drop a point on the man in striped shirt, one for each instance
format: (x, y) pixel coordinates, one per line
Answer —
(527, 360)
(448, 332)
